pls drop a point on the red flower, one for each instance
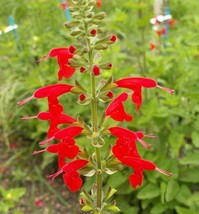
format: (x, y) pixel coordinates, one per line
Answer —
(99, 3)
(39, 203)
(64, 149)
(55, 116)
(136, 84)
(123, 133)
(139, 165)
(116, 109)
(171, 22)
(50, 91)
(152, 46)
(63, 55)
(69, 132)
(71, 176)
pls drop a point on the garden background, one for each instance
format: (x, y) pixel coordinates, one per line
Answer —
(173, 119)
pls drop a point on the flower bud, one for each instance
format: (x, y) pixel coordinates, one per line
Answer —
(106, 66)
(113, 38)
(72, 49)
(82, 69)
(110, 94)
(82, 97)
(96, 70)
(93, 32)
(100, 15)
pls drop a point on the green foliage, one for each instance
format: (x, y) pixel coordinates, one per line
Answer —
(9, 198)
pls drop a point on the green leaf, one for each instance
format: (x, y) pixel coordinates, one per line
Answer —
(183, 194)
(195, 139)
(181, 210)
(163, 187)
(172, 190)
(193, 201)
(176, 140)
(158, 208)
(149, 191)
(112, 208)
(87, 208)
(190, 175)
(190, 159)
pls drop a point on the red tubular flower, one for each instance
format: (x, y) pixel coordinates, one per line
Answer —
(121, 133)
(139, 165)
(116, 109)
(64, 149)
(71, 176)
(50, 91)
(63, 55)
(136, 84)
(69, 132)
(125, 148)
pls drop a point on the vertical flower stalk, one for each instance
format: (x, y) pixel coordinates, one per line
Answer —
(73, 161)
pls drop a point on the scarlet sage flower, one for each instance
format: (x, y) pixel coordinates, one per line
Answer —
(64, 149)
(69, 132)
(136, 84)
(71, 177)
(52, 92)
(125, 147)
(63, 55)
(139, 165)
(121, 133)
(55, 117)
(116, 109)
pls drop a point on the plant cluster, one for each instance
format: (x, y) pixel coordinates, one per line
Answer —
(85, 57)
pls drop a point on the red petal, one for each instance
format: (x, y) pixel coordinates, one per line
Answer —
(65, 71)
(136, 179)
(73, 181)
(120, 132)
(133, 82)
(56, 51)
(138, 163)
(70, 132)
(52, 148)
(44, 116)
(118, 100)
(52, 90)
(74, 166)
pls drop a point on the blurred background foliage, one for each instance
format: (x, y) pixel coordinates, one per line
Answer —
(174, 119)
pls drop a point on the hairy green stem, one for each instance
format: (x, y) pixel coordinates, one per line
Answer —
(94, 119)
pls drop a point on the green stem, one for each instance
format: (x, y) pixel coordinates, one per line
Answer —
(94, 119)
